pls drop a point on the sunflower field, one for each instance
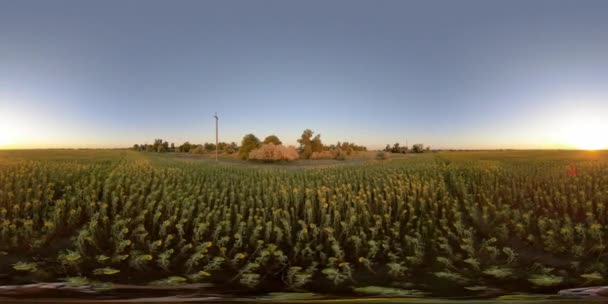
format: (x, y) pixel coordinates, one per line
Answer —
(418, 223)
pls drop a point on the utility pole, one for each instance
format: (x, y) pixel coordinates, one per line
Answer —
(216, 143)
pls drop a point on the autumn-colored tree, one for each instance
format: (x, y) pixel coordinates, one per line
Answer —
(272, 152)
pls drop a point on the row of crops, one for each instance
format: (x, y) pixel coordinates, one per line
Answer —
(417, 223)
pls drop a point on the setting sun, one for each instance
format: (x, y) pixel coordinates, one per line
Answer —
(587, 134)
(8, 133)
(6, 138)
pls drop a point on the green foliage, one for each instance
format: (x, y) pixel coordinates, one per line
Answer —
(592, 276)
(305, 142)
(248, 144)
(309, 144)
(105, 271)
(397, 148)
(173, 280)
(272, 139)
(545, 280)
(418, 148)
(25, 266)
(498, 272)
(158, 146)
(77, 281)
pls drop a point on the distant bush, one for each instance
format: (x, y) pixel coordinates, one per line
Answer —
(380, 156)
(348, 147)
(338, 154)
(396, 148)
(418, 148)
(232, 148)
(198, 150)
(327, 154)
(341, 155)
(185, 147)
(272, 152)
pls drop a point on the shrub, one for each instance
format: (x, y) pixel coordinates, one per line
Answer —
(380, 156)
(272, 152)
(185, 147)
(198, 150)
(340, 155)
(418, 148)
(327, 154)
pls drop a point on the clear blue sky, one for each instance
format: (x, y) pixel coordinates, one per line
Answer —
(452, 74)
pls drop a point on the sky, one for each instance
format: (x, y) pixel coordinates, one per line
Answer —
(450, 74)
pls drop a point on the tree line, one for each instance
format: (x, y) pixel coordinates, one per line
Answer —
(397, 148)
(162, 146)
(271, 148)
(310, 147)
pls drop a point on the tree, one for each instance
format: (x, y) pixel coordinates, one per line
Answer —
(346, 147)
(272, 139)
(418, 148)
(317, 145)
(221, 146)
(136, 147)
(396, 148)
(305, 142)
(231, 148)
(185, 147)
(387, 148)
(308, 144)
(160, 145)
(209, 146)
(248, 143)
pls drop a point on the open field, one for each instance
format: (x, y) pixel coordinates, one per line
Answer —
(457, 223)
